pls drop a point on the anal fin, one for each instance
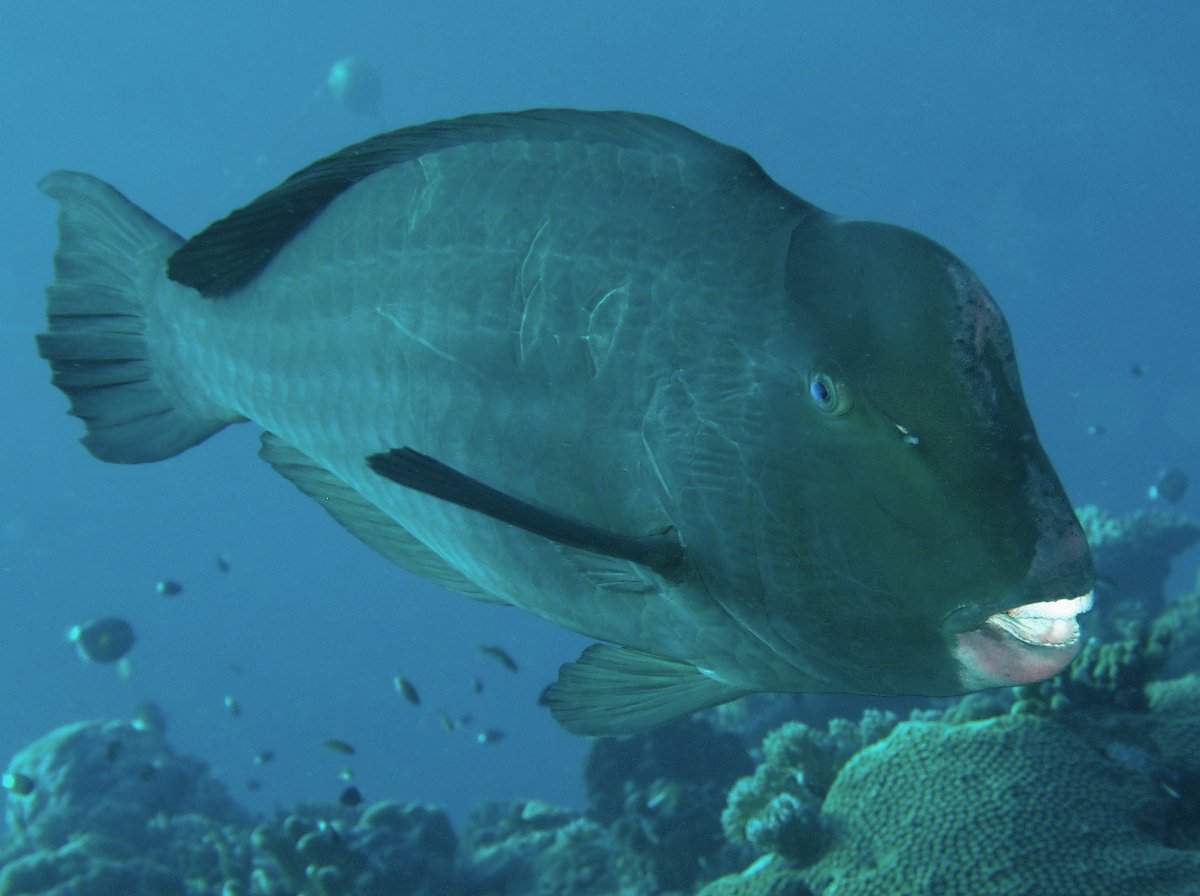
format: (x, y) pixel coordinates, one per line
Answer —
(619, 690)
(364, 520)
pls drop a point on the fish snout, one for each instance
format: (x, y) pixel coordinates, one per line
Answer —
(1021, 645)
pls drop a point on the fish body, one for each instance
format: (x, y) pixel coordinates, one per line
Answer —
(104, 640)
(501, 656)
(405, 689)
(600, 367)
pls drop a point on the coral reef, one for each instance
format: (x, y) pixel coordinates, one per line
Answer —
(778, 808)
(391, 849)
(1015, 804)
(512, 849)
(1180, 625)
(113, 810)
(109, 812)
(1133, 558)
(661, 794)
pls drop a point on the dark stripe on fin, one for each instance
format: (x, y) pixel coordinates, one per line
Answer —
(404, 466)
(231, 252)
(612, 691)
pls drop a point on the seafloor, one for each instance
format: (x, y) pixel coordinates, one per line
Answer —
(1085, 784)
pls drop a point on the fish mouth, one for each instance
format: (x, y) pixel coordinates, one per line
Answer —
(1049, 623)
(1021, 645)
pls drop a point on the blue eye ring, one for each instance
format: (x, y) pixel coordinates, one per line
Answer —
(829, 394)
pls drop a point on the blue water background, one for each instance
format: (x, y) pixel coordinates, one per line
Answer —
(1052, 146)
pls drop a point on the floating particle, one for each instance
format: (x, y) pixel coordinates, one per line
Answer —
(340, 746)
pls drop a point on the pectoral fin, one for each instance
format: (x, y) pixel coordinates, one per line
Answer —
(618, 690)
(661, 553)
(363, 519)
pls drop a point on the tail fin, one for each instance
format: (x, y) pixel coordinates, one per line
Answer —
(111, 255)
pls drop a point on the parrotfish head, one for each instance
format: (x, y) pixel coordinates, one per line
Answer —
(938, 539)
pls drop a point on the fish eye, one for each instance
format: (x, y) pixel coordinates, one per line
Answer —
(828, 394)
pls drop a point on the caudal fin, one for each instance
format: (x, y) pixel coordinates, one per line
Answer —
(110, 257)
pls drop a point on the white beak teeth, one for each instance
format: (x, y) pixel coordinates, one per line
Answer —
(1049, 623)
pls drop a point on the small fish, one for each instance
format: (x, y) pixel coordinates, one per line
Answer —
(490, 736)
(340, 746)
(1171, 486)
(346, 774)
(253, 784)
(500, 655)
(232, 706)
(1137, 370)
(222, 563)
(18, 784)
(447, 722)
(406, 690)
(477, 685)
(1097, 429)
(262, 757)
(464, 721)
(168, 587)
(102, 640)
(351, 796)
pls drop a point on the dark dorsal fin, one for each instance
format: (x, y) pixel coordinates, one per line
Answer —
(661, 553)
(231, 252)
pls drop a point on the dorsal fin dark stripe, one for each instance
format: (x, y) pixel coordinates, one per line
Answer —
(231, 252)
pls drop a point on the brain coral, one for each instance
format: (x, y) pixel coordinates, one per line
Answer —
(1015, 805)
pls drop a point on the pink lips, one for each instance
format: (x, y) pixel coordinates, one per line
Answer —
(1022, 645)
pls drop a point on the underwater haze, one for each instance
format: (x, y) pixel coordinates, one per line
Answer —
(1052, 147)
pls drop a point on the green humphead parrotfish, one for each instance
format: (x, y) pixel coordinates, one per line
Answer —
(600, 367)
